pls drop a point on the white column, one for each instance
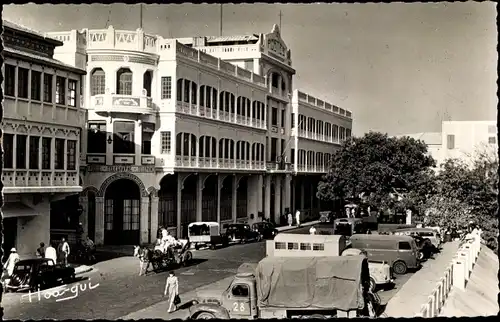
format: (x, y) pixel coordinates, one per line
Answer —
(138, 142)
(199, 196)
(267, 188)
(302, 195)
(286, 191)
(99, 220)
(144, 222)
(180, 183)
(277, 198)
(154, 215)
(260, 183)
(234, 197)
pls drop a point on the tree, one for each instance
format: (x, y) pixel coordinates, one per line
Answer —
(465, 192)
(379, 168)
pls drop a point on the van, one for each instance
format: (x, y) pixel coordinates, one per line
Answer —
(400, 252)
(426, 233)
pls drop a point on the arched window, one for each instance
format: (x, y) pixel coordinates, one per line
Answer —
(221, 149)
(262, 156)
(202, 146)
(180, 83)
(194, 93)
(213, 147)
(275, 80)
(178, 144)
(187, 85)
(98, 82)
(146, 81)
(124, 81)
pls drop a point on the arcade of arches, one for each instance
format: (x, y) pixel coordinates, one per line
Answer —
(123, 211)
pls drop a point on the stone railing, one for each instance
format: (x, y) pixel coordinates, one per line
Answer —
(456, 275)
(316, 102)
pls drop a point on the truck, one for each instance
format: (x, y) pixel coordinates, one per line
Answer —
(292, 287)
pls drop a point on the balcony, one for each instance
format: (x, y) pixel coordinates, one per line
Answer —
(35, 181)
(312, 168)
(218, 163)
(114, 103)
(316, 136)
(223, 116)
(279, 167)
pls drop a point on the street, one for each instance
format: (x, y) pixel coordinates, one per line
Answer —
(121, 291)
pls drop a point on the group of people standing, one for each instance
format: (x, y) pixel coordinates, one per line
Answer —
(58, 256)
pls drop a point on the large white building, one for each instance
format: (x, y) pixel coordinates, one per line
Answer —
(460, 140)
(195, 129)
(41, 127)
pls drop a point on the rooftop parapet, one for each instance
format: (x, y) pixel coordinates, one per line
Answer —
(316, 102)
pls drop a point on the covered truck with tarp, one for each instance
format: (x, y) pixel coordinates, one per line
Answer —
(278, 287)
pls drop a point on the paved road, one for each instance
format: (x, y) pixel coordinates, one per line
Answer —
(121, 291)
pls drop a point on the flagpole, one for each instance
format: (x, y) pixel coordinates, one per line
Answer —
(220, 21)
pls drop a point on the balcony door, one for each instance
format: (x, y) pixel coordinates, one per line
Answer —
(122, 213)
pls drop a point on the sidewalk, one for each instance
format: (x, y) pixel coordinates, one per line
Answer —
(414, 293)
(83, 269)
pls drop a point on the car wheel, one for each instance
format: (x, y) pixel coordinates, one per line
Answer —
(204, 316)
(420, 256)
(399, 268)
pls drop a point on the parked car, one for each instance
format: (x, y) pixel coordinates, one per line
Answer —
(266, 229)
(242, 233)
(39, 273)
(427, 233)
(401, 252)
(206, 233)
(326, 216)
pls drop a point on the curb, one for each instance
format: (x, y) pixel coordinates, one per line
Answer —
(83, 269)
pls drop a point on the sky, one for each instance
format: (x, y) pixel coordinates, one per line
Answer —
(399, 67)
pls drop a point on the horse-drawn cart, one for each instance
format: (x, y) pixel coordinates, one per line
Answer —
(174, 256)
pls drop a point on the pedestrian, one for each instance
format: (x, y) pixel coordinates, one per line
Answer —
(65, 251)
(290, 219)
(297, 217)
(312, 231)
(172, 289)
(40, 252)
(50, 253)
(11, 262)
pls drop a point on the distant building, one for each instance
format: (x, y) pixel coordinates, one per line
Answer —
(41, 127)
(460, 140)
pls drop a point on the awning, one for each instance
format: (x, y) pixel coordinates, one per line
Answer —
(17, 209)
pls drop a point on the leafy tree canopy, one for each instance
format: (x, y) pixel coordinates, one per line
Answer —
(379, 167)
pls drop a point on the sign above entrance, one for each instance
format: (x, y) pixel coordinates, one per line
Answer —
(121, 168)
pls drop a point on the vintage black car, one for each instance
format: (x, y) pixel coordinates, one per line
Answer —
(266, 229)
(242, 233)
(425, 247)
(39, 273)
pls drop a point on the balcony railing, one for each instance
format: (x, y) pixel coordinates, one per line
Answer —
(212, 113)
(120, 159)
(46, 180)
(279, 167)
(317, 137)
(312, 168)
(106, 103)
(218, 163)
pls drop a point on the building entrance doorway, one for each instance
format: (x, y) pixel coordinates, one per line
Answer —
(9, 236)
(122, 213)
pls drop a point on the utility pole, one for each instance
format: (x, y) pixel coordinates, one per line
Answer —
(220, 21)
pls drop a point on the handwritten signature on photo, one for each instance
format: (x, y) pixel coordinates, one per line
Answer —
(74, 291)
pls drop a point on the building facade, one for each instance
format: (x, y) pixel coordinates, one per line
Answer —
(183, 130)
(41, 127)
(460, 140)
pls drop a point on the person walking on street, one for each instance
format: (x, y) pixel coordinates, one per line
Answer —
(40, 252)
(65, 251)
(11, 262)
(290, 219)
(297, 217)
(50, 253)
(172, 289)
